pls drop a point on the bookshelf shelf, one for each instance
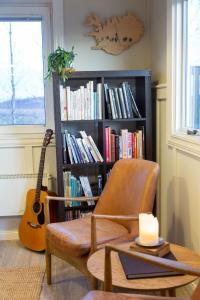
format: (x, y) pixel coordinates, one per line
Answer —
(129, 94)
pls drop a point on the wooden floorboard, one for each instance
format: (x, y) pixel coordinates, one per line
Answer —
(68, 283)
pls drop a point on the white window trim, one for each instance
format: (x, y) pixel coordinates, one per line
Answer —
(175, 136)
(18, 135)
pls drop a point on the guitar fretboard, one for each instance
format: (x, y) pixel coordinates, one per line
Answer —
(40, 174)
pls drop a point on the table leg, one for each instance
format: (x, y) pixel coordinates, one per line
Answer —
(94, 283)
(163, 293)
(172, 292)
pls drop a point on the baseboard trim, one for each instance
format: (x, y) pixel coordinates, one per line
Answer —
(9, 235)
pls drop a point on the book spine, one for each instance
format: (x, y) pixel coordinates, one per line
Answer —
(112, 104)
(100, 158)
(68, 93)
(117, 103)
(112, 147)
(129, 145)
(126, 101)
(93, 153)
(82, 150)
(69, 147)
(133, 103)
(108, 105)
(99, 93)
(75, 144)
(100, 185)
(116, 147)
(64, 149)
(87, 150)
(124, 143)
(121, 98)
(107, 144)
(63, 103)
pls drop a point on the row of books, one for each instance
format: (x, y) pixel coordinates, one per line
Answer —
(126, 145)
(120, 102)
(82, 104)
(78, 213)
(76, 187)
(80, 150)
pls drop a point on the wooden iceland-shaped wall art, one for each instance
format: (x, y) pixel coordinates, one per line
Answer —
(115, 34)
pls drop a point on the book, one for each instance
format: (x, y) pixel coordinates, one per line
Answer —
(117, 102)
(112, 103)
(100, 158)
(100, 184)
(122, 103)
(63, 103)
(86, 188)
(133, 103)
(127, 100)
(160, 251)
(71, 159)
(137, 268)
(64, 149)
(108, 105)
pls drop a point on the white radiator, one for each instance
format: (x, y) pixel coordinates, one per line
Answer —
(13, 189)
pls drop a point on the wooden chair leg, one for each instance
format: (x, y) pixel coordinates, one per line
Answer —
(48, 266)
(94, 283)
(172, 292)
(163, 293)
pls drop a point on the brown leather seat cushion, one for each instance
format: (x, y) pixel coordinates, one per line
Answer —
(74, 237)
(98, 295)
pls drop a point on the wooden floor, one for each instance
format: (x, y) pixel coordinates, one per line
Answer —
(68, 283)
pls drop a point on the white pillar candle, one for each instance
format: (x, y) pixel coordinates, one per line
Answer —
(148, 229)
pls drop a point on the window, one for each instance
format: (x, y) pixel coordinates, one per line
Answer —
(185, 64)
(26, 103)
(21, 72)
(192, 65)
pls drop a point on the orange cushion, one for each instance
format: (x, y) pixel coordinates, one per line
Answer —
(74, 237)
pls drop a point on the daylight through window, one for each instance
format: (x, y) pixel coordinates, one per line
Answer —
(192, 72)
(21, 72)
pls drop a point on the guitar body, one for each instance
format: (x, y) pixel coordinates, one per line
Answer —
(32, 227)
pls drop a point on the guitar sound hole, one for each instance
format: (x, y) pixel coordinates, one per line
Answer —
(36, 207)
(40, 217)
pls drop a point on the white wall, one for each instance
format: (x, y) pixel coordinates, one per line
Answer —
(75, 11)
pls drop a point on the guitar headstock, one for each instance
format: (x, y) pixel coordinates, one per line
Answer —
(48, 137)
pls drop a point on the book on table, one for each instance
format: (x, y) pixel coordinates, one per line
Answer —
(137, 268)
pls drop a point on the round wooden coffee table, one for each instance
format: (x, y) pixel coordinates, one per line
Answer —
(95, 266)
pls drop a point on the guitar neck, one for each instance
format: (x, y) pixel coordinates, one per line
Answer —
(40, 174)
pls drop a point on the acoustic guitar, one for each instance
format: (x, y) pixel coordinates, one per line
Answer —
(32, 226)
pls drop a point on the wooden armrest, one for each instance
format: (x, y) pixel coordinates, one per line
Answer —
(169, 264)
(113, 217)
(108, 217)
(80, 199)
(76, 199)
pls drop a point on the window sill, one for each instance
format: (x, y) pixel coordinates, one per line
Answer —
(185, 143)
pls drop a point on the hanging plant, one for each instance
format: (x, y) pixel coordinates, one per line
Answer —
(60, 61)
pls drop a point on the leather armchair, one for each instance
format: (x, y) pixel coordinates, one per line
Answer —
(129, 191)
(108, 295)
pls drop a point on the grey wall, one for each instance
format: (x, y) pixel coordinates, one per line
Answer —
(75, 11)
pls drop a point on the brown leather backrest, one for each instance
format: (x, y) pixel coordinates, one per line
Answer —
(130, 189)
(196, 294)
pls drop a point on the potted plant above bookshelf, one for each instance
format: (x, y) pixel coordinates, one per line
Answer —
(60, 61)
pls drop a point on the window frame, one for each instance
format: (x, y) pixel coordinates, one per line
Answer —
(176, 132)
(33, 11)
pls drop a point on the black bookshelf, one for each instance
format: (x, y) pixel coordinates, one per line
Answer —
(141, 80)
